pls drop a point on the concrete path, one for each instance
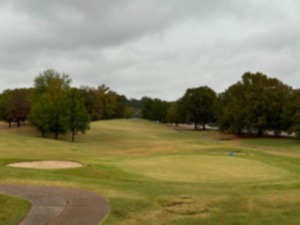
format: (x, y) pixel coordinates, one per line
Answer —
(59, 206)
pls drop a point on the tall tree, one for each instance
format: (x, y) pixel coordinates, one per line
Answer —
(232, 114)
(40, 114)
(78, 118)
(199, 103)
(291, 113)
(136, 106)
(50, 94)
(101, 103)
(154, 109)
(108, 100)
(254, 104)
(173, 113)
(146, 111)
(92, 102)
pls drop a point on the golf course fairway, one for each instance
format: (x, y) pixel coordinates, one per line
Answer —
(157, 174)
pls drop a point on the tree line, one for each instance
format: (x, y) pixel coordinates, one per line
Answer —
(257, 104)
(54, 107)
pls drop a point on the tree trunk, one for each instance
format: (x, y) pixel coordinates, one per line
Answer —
(239, 132)
(73, 136)
(260, 132)
(203, 126)
(56, 135)
(195, 126)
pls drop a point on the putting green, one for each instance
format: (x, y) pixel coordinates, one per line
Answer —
(203, 169)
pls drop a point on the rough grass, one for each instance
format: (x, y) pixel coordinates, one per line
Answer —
(153, 174)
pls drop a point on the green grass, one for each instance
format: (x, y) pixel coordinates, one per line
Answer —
(12, 209)
(203, 168)
(153, 174)
(278, 146)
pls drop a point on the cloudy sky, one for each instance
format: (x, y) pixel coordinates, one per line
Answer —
(149, 48)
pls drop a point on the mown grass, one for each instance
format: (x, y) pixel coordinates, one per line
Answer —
(154, 174)
(202, 168)
(12, 209)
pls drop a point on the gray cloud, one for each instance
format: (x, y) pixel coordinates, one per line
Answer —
(156, 48)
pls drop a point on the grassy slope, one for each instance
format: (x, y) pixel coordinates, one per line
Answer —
(119, 155)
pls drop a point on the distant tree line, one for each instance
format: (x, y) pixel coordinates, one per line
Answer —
(257, 104)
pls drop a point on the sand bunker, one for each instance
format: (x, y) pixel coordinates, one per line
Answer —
(46, 164)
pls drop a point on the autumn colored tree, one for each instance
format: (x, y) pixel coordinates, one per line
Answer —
(101, 103)
(15, 106)
(123, 109)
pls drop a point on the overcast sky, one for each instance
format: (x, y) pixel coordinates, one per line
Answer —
(149, 48)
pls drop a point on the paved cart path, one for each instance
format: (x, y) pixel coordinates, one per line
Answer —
(60, 206)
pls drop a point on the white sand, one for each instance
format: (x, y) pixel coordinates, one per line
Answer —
(46, 164)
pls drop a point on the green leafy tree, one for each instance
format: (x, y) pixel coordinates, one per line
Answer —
(291, 113)
(40, 114)
(173, 114)
(159, 110)
(199, 104)
(109, 101)
(146, 111)
(128, 112)
(136, 106)
(154, 109)
(78, 118)
(176, 113)
(231, 118)
(254, 104)
(49, 98)
(92, 102)
(123, 110)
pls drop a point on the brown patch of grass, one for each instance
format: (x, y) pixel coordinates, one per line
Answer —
(186, 205)
(277, 200)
